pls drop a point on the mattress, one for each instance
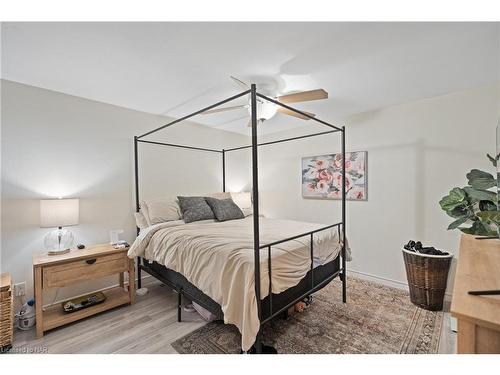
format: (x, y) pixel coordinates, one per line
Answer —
(218, 258)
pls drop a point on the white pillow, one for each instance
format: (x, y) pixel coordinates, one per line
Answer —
(221, 195)
(140, 220)
(244, 202)
(160, 210)
(144, 210)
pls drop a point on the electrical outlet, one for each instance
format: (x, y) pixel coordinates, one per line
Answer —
(20, 289)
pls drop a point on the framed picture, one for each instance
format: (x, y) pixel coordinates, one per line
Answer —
(322, 176)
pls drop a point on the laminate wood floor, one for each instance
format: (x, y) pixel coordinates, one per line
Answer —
(149, 326)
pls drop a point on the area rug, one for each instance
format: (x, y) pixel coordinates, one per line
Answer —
(376, 319)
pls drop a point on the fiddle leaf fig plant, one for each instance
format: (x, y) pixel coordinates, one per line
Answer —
(474, 207)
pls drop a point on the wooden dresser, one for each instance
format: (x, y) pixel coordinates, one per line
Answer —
(55, 271)
(478, 317)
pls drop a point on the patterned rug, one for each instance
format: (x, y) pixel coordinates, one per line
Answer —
(376, 319)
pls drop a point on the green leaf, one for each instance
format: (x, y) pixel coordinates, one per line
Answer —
(489, 216)
(457, 223)
(460, 211)
(487, 206)
(480, 180)
(457, 194)
(455, 198)
(480, 194)
(479, 228)
(354, 174)
(494, 161)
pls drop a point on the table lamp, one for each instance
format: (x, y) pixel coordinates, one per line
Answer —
(59, 213)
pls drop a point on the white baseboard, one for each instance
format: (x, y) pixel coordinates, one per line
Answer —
(385, 281)
(379, 279)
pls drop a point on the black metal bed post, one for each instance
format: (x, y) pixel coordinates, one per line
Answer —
(344, 272)
(136, 177)
(176, 121)
(223, 170)
(255, 191)
(137, 205)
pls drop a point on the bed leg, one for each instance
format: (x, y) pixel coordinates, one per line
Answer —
(259, 348)
(179, 305)
(344, 289)
(139, 281)
(258, 343)
(284, 315)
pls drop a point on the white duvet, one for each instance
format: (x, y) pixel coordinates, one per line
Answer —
(218, 258)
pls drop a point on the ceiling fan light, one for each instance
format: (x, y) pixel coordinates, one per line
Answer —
(265, 110)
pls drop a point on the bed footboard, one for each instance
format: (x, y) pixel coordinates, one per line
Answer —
(321, 277)
(308, 285)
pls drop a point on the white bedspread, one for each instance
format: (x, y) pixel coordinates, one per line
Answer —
(218, 258)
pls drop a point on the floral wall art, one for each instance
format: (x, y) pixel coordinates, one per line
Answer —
(322, 176)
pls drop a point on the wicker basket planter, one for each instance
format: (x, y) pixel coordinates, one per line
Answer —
(6, 313)
(427, 277)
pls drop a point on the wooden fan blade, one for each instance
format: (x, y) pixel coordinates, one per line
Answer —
(304, 96)
(224, 109)
(240, 82)
(288, 112)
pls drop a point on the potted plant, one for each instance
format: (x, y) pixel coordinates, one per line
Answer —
(475, 211)
(474, 207)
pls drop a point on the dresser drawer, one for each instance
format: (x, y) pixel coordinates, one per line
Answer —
(84, 269)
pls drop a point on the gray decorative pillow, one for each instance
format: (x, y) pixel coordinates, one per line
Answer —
(194, 209)
(225, 209)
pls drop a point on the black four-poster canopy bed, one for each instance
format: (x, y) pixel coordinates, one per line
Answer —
(273, 304)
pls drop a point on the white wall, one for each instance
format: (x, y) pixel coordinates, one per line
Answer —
(416, 153)
(59, 145)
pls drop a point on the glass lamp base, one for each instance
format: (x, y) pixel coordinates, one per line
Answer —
(58, 241)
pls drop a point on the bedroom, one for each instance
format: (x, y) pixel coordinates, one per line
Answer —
(340, 144)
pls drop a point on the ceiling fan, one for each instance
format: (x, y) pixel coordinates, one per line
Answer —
(267, 110)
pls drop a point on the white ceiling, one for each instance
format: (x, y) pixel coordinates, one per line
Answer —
(177, 68)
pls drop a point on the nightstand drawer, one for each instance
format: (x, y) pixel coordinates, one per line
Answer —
(84, 269)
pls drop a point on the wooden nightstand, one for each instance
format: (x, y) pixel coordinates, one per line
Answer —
(55, 271)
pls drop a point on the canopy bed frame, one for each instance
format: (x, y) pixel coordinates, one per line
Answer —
(274, 304)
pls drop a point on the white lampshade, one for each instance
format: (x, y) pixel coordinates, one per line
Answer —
(59, 212)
